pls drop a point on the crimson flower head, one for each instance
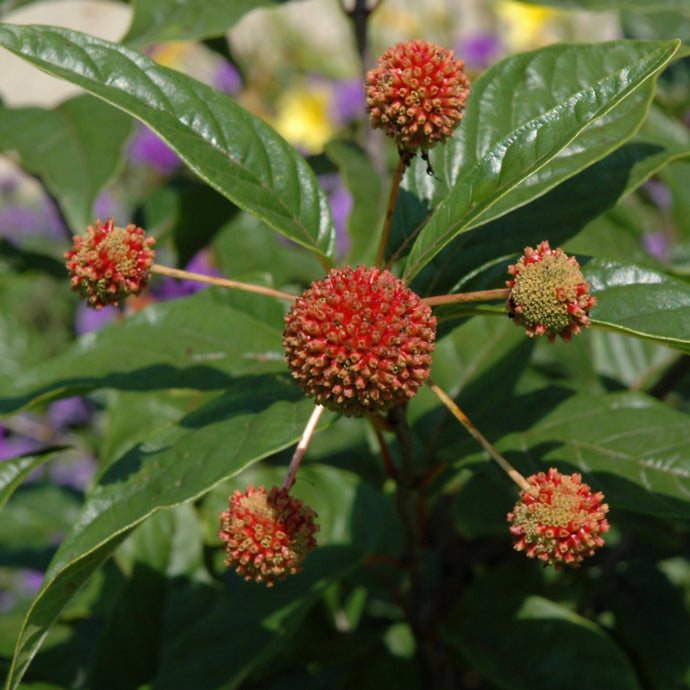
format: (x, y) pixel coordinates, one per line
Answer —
(359, 341)
(549, 295)
(266, 536)
(417, 94)
(558, 520)
(109, 263)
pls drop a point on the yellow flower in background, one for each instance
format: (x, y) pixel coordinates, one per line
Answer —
(171, 54)
(527, 26)
(303, 116)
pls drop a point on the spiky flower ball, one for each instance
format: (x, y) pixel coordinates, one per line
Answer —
(109, 263)
(417, 94)
(267, 536)
(559, 521)
(549, 295)
(359, 341)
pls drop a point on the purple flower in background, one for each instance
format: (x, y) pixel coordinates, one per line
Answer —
(108, 206)
(68, 412)
(76, 473)
(657, 244)
(659, 194)
(20, 221)
(13, 445)
(348, 102)
(478, 51)
(147, 150)
(341, 202)
(29, 582)
(227, 79)
(89, 320)
(171, 288)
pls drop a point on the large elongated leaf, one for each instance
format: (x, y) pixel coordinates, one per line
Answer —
(641, 302)
(67, 148)
(199, 342)
(231, 149)
(254, 418)
(627, 445)
(516, 139)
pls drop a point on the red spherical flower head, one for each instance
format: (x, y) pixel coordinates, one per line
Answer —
(109, 263)
(558, 520)
(417, 94)
(266, 536)
(359, 341)
(549, 295)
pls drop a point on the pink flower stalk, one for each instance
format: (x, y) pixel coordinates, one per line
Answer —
(549, 295)
(266, 536)
(558, 520)
(417, 94)
(109, 263)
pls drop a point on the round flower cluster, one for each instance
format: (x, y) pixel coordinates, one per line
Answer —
(417, 94)
(109, 263)
(549, 295)
(558, 520)
(266, 536)
(359, 341)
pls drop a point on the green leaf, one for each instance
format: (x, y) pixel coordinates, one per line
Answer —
(640, 302)
(14, 471)
(67, 147)
(256, 417)
(521, 641)
(513, 139)
(190, 343)
(627, 445)
(177, 20)
(232, 150)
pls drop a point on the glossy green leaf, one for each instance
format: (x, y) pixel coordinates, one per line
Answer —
(232, 150)
(67, 148)
(597, 222)
(189, 343)
(510, 140)
(641, 303)
(256, 417)
(176, 20)
(627, 445)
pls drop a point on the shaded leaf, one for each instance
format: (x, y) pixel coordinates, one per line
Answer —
(627, 445)
(232, 150)
(521, 641)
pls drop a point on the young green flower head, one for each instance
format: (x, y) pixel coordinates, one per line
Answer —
(549, 295)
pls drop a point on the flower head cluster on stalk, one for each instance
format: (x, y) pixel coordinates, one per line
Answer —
(360, 341)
